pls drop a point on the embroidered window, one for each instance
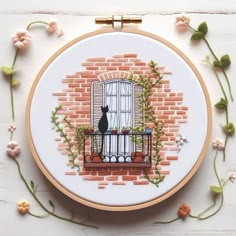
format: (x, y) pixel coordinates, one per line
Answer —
(122, 98)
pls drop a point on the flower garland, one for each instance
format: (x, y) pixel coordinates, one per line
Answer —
(218, 65)
(21, 40)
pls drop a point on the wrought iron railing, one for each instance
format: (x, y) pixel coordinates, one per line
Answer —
(119, 149)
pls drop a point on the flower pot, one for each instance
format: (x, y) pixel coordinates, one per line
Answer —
(125, 131)
(114, 131)
(88, 131)
(137, 156)
(148, 130)
(95, 158)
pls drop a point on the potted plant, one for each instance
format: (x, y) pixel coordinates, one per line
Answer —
(114, 130)
(88, 130)
(125, 130)
(148, 130)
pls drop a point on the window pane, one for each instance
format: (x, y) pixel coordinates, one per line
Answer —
(111, 88)
(125, 103)
(111, 101)
(125, 88)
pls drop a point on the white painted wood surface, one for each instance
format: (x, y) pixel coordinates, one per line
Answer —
(77, 18)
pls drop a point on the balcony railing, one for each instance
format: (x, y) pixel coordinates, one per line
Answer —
(119, 150)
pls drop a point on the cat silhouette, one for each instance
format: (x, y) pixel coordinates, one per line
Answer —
(103, 125)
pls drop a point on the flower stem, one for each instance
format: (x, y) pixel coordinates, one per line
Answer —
(215, 169)
(210, 48)
(167, 222)
(11, 88)
(218, 79)
(225, 144)
(43, 207)
(199, 216)
(228, 83)
(217, 59)
(38, 216)
(36, 22)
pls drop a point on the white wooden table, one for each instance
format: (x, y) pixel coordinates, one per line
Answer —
(77, 18)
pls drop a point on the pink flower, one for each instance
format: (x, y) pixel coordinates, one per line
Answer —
(218, 144)
(11, 128)
(60, 33)
(232, 177)
(22, 39)
(182, 22)
(51, 27)
(13, 149)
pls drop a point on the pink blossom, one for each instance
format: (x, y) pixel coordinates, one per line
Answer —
(51, 27)
(22, 39)
(232, 177)
(60, 33)
(182, 22)
(11, 128)
(13, 149)
(218, 144)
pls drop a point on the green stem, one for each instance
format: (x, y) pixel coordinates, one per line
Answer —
(216, 211)
(228, 83)
(225, 144)
(216, 58)
(11, 137)
(43, 207)
(38, 216)
(215, 169)
(214, 203)
(11, 88)
(209, 47)
(36, 22)
(218, 79)
(167, 222)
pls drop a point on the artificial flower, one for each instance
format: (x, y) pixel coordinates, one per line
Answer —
(11, 128)
(51, 27)
(22, 39)
(218, 144)
(232, 177)
(182, 22)
(13, 149)
(60, 33)
(23, 207)
(184, 210)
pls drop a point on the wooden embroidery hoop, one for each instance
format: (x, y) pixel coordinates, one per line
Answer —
(93, 204)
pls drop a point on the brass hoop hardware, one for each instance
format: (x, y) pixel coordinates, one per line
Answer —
(122, 19)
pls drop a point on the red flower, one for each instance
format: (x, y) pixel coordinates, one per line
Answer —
(184, 210)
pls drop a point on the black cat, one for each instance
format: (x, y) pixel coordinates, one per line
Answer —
(103, 125)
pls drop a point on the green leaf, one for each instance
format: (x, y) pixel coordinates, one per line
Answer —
(15, 82)
(51, 204)
(225, 60)
(196, 36)
(217, 63)
(203, 28)
(229, 129)
(216, 189)
(7, 70)
(222, 104)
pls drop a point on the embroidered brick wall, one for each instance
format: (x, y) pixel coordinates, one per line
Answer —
(75, 100)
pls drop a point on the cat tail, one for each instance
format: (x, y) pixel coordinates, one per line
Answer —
(101, 151)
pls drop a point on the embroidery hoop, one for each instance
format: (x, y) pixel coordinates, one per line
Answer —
(81, 199)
